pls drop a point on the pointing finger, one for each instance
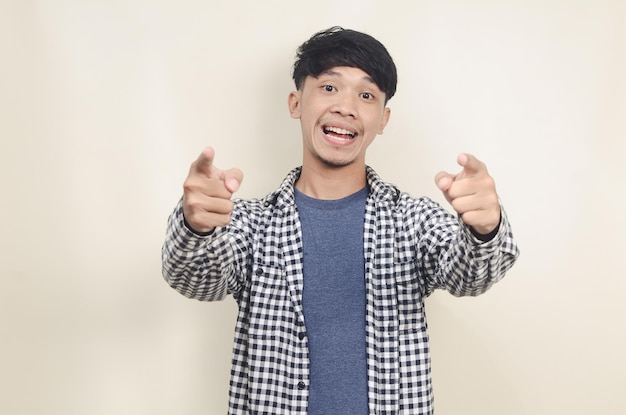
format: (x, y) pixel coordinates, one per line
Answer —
(471, 165)
(204, 163)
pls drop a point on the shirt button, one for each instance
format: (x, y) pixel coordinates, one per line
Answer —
(259, 271)
(301, 385)
(301, 335)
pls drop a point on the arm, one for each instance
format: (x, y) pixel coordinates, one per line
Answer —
(197, 266)
(197, 255)
(473, 251)
(455, 259)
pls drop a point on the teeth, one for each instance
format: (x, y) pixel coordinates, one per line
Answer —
(339, 131)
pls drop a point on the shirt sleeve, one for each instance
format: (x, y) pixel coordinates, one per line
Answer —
(196, 265)
(457, 260)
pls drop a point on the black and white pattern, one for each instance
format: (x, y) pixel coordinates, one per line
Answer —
(412, 247)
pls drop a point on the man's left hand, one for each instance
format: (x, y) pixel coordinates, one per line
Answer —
(472, 193)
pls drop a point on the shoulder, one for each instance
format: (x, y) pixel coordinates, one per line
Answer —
(280, 200)
(388, 195)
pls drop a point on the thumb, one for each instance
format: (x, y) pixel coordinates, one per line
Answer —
(444, 180)
(232, 179)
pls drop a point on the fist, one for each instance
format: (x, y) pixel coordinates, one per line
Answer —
(472, 193)
(207, 193)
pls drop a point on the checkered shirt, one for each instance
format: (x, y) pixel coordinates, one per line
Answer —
(412, 246)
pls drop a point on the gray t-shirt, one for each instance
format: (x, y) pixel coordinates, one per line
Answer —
(334, 302)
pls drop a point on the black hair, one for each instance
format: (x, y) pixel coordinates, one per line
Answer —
(337, 46)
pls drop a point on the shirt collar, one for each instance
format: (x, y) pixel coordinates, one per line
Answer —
(380, 191)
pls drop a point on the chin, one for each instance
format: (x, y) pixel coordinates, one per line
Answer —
(334, 163)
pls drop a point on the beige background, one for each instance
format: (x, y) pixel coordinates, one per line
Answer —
(104, 104)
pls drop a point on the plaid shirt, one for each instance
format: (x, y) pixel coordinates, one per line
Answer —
(412, 246)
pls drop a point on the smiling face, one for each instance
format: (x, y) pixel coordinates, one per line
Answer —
(341, 111)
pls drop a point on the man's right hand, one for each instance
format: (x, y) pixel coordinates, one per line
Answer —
(207, 193)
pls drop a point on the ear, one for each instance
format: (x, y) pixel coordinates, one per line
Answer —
(293, 101)
(384, 120)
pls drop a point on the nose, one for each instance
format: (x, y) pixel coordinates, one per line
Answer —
(345, 105)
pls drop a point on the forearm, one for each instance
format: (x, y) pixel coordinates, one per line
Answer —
(196, 266)
(455, 259)
(470, 266)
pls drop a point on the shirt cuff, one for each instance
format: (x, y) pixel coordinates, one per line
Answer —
(486, 237)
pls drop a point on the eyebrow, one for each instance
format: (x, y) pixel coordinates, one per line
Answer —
(339, 74)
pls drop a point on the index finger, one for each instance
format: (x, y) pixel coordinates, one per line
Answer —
(204, 162)
(470, 163)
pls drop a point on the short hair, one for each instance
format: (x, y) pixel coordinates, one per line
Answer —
(337, 46)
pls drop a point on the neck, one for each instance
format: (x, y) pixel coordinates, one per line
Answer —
(331, 184)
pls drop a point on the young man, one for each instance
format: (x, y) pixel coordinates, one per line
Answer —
(331, 270)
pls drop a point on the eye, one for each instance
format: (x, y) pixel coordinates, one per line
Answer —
(328, 88)
(367, 96)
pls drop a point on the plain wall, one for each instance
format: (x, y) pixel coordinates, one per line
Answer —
(104, 104)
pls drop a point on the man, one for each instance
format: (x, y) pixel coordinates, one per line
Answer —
(331, 270)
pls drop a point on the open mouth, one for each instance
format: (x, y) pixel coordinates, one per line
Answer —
(339, 133)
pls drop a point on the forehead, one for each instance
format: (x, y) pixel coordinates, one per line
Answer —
(347, 74)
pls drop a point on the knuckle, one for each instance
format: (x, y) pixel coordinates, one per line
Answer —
(190, 184)
(188, 187)
(225, 220)
(190, 200)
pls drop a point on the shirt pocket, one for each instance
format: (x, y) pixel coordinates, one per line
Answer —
(409, 290)
(270, 304)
